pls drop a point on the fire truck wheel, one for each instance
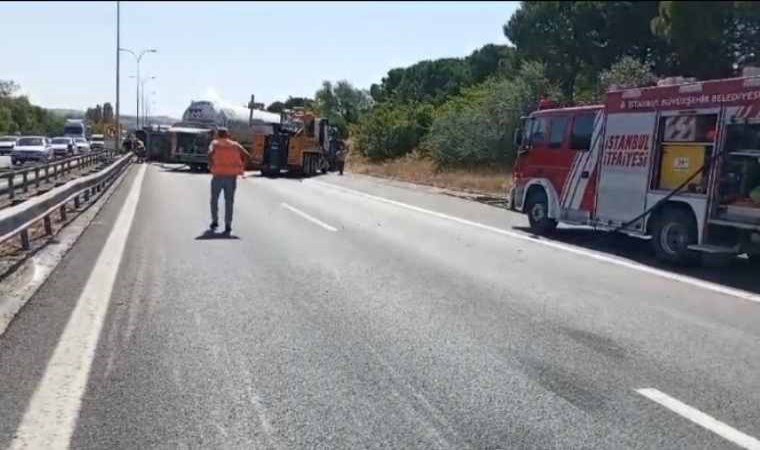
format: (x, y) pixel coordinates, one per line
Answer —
(537, 207)
(674, 231)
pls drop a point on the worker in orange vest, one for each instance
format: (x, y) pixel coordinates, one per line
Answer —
(226, 162)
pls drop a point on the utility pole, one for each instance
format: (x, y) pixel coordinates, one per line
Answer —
(137, 80)
(118, 57)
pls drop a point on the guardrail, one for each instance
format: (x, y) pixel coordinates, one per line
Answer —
(16, 220)
(44, 173)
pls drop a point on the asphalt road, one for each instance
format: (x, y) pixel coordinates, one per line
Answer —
(352, 313)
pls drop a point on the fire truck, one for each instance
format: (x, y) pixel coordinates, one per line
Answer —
(678, 163)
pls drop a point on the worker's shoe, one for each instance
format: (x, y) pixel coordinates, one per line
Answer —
(213, 226)
(227, 230)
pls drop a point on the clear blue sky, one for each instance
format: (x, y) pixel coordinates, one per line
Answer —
(62, 54)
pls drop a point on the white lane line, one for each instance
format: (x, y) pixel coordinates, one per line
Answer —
(701, 419)
(309, 218)
(738, 293)
(51, 416)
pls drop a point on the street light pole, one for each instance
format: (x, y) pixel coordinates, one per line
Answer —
(142, 97)
(118, 55)
(137, 87)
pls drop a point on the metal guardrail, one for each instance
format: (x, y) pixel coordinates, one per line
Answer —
(44, 173)
(17, 219)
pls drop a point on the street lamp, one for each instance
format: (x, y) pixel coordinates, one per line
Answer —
(142, 98)
(141, 93)
(148, 105)
(138, 57)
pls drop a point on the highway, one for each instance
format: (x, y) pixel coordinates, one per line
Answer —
(347, 312)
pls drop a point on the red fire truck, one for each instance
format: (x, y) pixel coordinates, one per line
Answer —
(679, 163)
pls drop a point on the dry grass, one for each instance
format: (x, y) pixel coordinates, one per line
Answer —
(413, 169)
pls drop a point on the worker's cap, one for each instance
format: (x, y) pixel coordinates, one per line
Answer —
(222, 131)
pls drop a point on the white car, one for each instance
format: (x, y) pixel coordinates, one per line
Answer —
(63, 146)
(6, 144)
(32, 148)
(97, 142)
(82, 145)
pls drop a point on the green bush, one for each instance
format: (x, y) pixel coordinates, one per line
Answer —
(476, 128)
(392, 130)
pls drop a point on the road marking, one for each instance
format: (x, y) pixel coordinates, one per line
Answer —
(309, 218)
(685, 279)
(51, 416)
(701, 419)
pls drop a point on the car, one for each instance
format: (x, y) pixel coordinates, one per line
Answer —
(82, 145)
(63, 146)
(6, 144)
(97, 142)
(32, 148)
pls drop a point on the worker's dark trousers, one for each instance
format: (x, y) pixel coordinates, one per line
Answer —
(227, 184)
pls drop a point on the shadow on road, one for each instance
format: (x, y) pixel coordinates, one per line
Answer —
(209, 235)
(737, 273)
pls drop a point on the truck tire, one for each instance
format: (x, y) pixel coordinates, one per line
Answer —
(537, 208)
(673, 232)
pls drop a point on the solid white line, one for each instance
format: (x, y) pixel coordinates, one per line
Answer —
(738, 293)
(50, 417)
(701, 419)
(309, 218)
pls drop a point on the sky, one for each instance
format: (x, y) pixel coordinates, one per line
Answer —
(62, 54)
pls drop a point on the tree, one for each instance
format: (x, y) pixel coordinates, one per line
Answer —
(8, 88)
(296, 102)
(577, 40)
(489, 60)
(342, 104)
(108, 113)
(476, 128)
(94, 115)
(392, 130)
(18, 115)
(290, 103)
(276, 107)
(710, 39)
(699, 33)
(626, 73)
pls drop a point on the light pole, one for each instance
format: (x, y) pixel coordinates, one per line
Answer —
(142, 97)
(148, 105)
(138, 57)
(118, 54)
(141, 93)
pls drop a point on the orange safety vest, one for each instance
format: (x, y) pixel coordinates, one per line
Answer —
(227, 159)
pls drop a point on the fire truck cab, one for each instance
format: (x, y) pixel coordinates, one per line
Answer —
(678, 162)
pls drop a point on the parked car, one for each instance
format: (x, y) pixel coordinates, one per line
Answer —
(32, 148)
(97, 142)
(82, 145)
(63, 146)
(6, 144)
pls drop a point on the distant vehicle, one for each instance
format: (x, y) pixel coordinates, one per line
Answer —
(75, 128)
(300, 144)
(82, 146)
(63, 146)
(97, 142)
(32, 148)
(6, 144)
